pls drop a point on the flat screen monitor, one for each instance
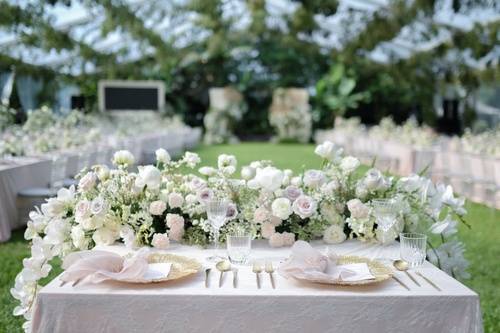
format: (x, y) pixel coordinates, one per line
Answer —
(131, 95)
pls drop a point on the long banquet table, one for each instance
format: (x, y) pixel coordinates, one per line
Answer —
(187, 306)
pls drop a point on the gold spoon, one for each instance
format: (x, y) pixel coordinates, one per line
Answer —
(222, 266)
(257, 269)
(402, 266)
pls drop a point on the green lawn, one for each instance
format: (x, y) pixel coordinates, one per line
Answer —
(483, 245)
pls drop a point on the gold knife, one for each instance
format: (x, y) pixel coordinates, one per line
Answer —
(401, 282)
(412, 278)
(428, 281)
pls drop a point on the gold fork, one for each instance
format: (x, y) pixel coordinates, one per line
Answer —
(257, 269)
(270, 271)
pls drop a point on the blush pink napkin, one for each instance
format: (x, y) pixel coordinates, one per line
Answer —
(307, 263)
(98, 266)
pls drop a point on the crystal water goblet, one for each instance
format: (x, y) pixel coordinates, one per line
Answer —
(216, 213)
(413, 248)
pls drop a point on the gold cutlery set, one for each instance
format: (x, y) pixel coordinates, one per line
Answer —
(225, 266)
(402, 266)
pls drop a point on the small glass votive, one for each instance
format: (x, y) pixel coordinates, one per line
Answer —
(238, 247)
(413, 248)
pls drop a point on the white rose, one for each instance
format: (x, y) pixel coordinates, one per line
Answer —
(358, 209)
(247, 173)
(87, 182)
(269, 178)
(123, 158)
(293, 192)
(175, 200)
(148, 176)
(349, 164)
(207, 171)
(314, 178)
(197, 184)
(304, 206)
(78, 238)
(160, 241)
(191, 199)
(282, 208)
(373, 179)
(82, 210)
(191, 159)
(157, 207)
(328, 150)
(98, 206)
(334, 234)
(104, 236)
(162, 156)
(276, 240)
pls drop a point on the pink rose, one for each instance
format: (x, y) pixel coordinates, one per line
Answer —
(176, 233)
(276, 240)
(160, 241)
(175, 220)
(231, 212)
(260, 215)
(304, 206)
(267, 230)
(157, 207)
(175, 200)
(288, 238)
(276, 221)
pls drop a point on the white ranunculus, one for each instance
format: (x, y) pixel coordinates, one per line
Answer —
(160, 241)
(102, 172)
(123, 158)
(175, 200)
(157, 207)
(282, 208)
(247, 172)
(191, 199)
(269, 178)
(314, 178)
(328, 150)
(207, 171)
(87, 182)
(304, 206)
(358, 209)
(225, 161)
(148, 176)
(334, 234)
(349, 164)
(104, 236)
(373, 179)
(296, 181)
(162, 156)
(191, 159)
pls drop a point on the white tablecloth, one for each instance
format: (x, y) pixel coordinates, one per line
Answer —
(25, 173)
(187, 306)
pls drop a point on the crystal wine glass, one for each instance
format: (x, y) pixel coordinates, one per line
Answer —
(216, 213)
(385, 211)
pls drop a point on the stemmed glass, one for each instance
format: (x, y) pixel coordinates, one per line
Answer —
(385, 211)
(216, 213)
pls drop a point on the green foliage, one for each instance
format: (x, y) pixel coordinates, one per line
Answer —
(335, 94)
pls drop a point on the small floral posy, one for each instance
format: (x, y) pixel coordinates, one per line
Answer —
(162, 204)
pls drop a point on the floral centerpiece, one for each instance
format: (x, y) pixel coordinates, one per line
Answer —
(164, 203)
